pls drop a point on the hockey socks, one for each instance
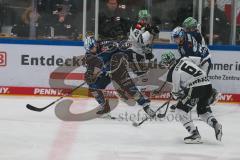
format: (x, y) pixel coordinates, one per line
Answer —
(104, 104)
(211, 121)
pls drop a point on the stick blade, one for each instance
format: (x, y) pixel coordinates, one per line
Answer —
(161, 115)
(135, 124)
(29, 106)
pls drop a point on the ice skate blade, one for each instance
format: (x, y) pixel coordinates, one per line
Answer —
(195, 141)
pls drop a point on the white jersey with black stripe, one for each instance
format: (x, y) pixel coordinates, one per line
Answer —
(139, 39)
(187, 74)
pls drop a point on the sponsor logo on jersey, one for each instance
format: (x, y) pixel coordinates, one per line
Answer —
(197, 81)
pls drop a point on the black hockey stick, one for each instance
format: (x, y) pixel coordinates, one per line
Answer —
(33, 108)
(136, 124)
(162, 115)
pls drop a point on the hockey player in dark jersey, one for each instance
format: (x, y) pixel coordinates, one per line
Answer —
(105, 63)
(96, 74)
(189, 47)
(191, 26)
(190, 86)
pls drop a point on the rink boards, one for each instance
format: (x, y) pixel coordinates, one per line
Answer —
(33, 69)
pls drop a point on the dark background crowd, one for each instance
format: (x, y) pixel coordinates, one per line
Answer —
(62, 19)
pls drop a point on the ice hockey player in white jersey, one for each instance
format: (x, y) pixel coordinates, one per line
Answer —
(141, 37)
(190, 86)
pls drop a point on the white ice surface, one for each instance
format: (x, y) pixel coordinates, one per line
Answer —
(28, 135)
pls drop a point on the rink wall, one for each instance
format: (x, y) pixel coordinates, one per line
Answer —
(31, 67)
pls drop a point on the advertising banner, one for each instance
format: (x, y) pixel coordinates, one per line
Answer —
(30, 70)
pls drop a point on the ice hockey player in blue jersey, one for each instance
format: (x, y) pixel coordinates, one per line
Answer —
(105, 63)
(191, 26)
(189, 47)
(190, 86)
(96, 74)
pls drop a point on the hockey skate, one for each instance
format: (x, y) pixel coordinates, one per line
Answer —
(173, 107)
(218, 131)
(104, 109)
(195, 138)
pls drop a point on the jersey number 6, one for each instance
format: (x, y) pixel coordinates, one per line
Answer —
(191, 70)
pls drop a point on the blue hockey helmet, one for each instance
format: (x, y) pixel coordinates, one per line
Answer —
(178, 32)
(89, 43)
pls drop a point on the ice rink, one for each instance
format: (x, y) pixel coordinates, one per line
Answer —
(29, 135)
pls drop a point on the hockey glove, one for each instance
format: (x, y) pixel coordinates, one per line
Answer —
(124, 45)
(205, 56)
(149, 56)
(152, 29)
(148, 53)
(155, 30)
(178, 95)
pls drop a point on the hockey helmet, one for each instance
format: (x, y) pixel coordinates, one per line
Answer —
(178, 32)
(89, 43)
(167, 59)
(144, 16)
(190, 23)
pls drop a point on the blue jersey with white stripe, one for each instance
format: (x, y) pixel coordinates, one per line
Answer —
(190, 47)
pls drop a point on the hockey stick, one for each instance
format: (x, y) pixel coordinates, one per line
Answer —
(136, 124)
(162, 115)
(33, 108)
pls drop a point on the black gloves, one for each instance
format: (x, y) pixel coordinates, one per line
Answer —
(153, 29)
